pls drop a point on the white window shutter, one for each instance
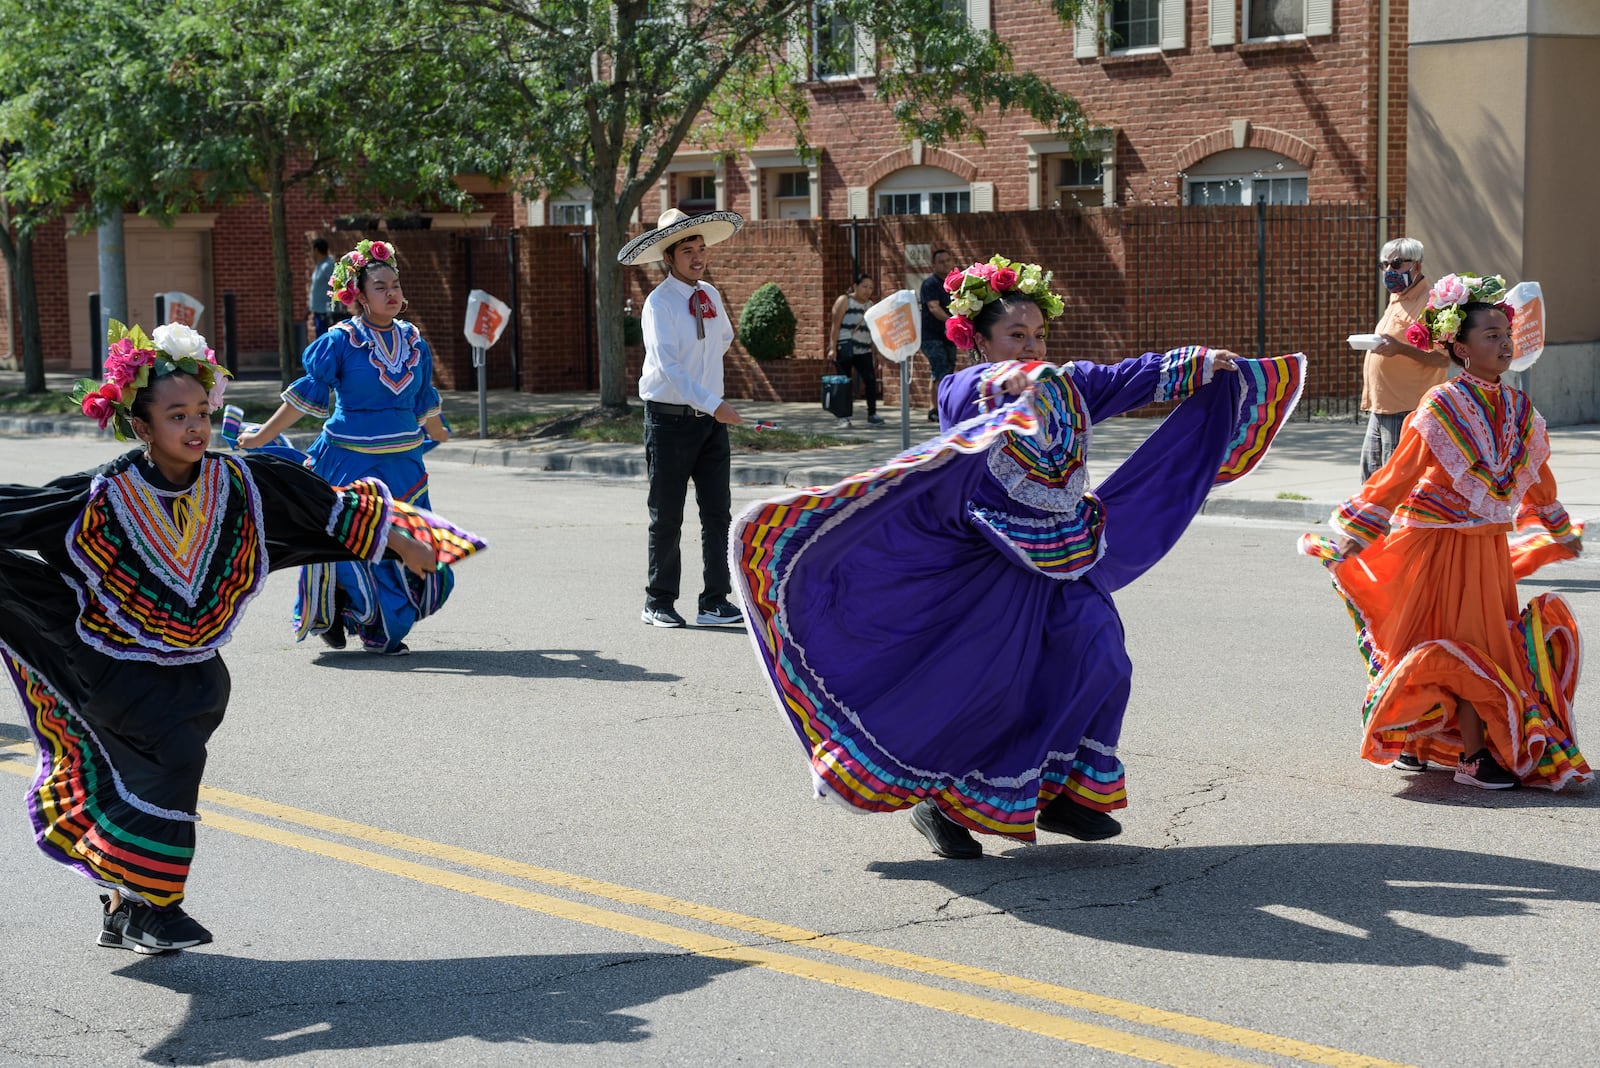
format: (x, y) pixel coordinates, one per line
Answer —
(1174, 25)
(860, 206)
(795, 54)
(978, 15)
(1224, 13)
(1319, 18)
(866, 52)
(1086, 33)
(982, 196)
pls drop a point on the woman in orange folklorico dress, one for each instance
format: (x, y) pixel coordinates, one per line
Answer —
(1460, 676)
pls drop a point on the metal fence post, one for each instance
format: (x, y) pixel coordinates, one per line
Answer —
(1261, 278)
(97, 337)
(230, 331)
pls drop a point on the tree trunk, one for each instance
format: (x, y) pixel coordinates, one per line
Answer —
(18, 252)
(283, 283)
(28, 314)
(608, 297)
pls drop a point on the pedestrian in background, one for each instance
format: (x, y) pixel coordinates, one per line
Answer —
(686, 334)
(935, 302)
(1398, 372)
(319, 301)
(852, 341)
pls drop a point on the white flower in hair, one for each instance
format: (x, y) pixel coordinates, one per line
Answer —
(179, 341)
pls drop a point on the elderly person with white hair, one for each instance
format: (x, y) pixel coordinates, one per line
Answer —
(1397, 373)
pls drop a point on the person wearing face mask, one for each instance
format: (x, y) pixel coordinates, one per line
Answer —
(940, 631)
(1397, 373)
(1458, 676)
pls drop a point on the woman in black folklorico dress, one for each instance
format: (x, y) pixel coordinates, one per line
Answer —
(143, 570)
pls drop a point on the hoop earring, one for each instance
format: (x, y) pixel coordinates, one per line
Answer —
(405, 302)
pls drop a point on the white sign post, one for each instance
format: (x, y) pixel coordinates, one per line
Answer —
(486, 320)
(896, 326)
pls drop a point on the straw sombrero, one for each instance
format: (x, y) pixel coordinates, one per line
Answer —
(673, 226)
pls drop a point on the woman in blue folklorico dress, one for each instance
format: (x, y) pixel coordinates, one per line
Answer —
(940, 631)
(374, 373)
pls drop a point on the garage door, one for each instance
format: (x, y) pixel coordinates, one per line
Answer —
(158, 260)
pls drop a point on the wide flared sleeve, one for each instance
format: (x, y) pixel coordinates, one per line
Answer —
(307, 520)
(427, 403)
(1367, 516)
(39, 517)
(1541, 508)
(1111, 389)
(312, 392)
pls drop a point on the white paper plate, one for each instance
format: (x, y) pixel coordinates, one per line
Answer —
(1366, 342)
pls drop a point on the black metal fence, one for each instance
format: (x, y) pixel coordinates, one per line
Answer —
(1263, 279)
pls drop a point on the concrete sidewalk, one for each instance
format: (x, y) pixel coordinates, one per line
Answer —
(1313, 464)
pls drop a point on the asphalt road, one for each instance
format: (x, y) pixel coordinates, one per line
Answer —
(555, 836)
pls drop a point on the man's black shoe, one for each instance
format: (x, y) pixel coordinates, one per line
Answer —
(720, 614)
(947, 837)
(1063, 816)
(661, 617)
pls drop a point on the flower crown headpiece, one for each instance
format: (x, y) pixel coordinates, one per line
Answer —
(134, 360)
(982, 283)
(342, 286)
(1443, 319)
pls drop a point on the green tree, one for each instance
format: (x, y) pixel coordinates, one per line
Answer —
(80, 94)
(284, 93)
(603, 94)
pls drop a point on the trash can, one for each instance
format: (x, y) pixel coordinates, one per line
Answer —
(836, 396)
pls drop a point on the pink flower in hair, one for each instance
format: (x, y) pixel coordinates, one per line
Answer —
(1418, 336)
(140, 357)
(123, 348)
(1004, 278)
(1511, 313)
(958, 330)
(357, 260)
(347, 295)
(111, 392)
(952, 281)
(1448, 291)
(380, 251)
(120, 367)
(984, 271)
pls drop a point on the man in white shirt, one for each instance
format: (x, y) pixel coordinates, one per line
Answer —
(686, 333)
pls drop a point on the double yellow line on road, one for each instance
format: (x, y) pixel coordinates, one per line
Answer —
(1035, 1021)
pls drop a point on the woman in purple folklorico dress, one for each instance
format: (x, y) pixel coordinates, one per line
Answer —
(940, 630)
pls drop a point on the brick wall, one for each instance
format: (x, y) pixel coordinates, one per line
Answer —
(1314, 100)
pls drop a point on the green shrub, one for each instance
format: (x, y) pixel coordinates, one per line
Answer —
(766, 329)
(632, 330)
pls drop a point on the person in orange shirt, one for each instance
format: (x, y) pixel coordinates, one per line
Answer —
(1397, 373)
(1457, 674)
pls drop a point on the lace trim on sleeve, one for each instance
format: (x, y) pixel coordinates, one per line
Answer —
(1183, 371)
(1362, 520)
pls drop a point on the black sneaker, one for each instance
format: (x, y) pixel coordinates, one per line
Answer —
(661, 617)
(947, 837)
(1065, 816)
(933, 415)
(397, 649)
(720, 614)
(149, 931)
(1409, 762)
(875, 420)
(1480, 770)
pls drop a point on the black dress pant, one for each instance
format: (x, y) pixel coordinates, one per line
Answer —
(678, 449)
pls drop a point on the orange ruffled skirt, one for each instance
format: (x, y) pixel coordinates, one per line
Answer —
(1438, 622)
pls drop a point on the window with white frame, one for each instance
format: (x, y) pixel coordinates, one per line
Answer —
(571, 213)
(697, 193)
(791, 194)
(838, 48)
(1245, 176)
(923, 190)
(1268, 19)
(1133, 25)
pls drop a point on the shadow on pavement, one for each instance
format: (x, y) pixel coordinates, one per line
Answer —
(500, 663)
(242, 1009)
(1308, 902)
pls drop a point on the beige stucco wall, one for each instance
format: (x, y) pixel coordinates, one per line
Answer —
(1465, 173)
(1561, 228)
